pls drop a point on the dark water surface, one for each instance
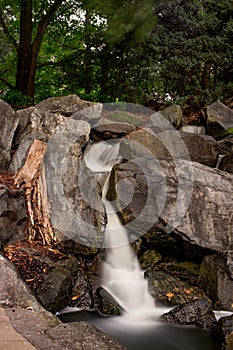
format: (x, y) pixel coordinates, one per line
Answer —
(145, 335)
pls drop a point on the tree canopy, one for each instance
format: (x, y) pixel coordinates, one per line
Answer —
(136, 51)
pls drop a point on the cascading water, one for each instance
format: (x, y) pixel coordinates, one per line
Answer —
(123, 278)
(122, 275)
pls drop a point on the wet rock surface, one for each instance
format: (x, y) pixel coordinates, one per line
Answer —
(197, 313)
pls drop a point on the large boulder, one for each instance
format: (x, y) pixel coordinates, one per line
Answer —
(48, 114)
(173, 114)
(82, 335)
(197, 313)
(166, 287)
(175, 198)
(201, 148)
(9, 122)
(14, 292)
(73, 216)
(216, 278)
(219, 119)
(171, 144)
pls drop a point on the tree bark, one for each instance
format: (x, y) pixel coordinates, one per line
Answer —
(29, 50)
(25, 47)
(31, 177)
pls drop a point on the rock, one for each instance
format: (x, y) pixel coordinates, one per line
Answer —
(188, 206)
(149, 258)
(20, 154)
(216, 278)
(56, 289)
(72, 106)
(49, 273)
(173, 114)
(76, 207)
(9, 122)
(225, 149)
(171, 144)
(143, 142)
(219, 118)
(45, 331)
(82, 293)
(13, 215)
(47, 115)
(14, 292)
(197, 313)
(226, 163)
(106, 129)
(201, 148)
(105, 303)
(33, 325)
(82, 335)
(168, 288)
(223, 332)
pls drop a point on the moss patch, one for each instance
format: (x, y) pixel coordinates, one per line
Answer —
(120, 116)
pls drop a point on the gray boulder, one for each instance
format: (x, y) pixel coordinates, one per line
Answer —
(14, 291)
(216, 278)
(177, 199)
(201, 148)
(172, 144)
(173, 114)
(82, 335)
(9, 122)
(197, 313)
(76, 208)
(219, 118)
(48, 114)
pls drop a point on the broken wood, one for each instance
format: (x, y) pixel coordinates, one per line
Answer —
(31, 177)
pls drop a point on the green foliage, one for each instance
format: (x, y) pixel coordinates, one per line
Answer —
(16, 99)
(106, 51)
(229, 132)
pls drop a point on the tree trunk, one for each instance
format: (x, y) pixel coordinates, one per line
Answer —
(205, 84)
(87, 54)
(28, 50)
(25, 47)
(31, 177)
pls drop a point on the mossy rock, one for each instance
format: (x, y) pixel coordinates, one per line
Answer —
(120, 116)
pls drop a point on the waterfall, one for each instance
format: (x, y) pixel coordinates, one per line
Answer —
(219, 161)
(122, 275)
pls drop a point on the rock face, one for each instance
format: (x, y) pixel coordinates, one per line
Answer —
(13, 216)
(197, 313)
(219, 118)
(56, 121)
(201, 148)
(81, 335)
(9, 122)
(13, 290)
(47, 114)
(216, 279)
(201, 212)
(173, 114)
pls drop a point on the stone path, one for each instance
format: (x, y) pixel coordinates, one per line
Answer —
(9, 338)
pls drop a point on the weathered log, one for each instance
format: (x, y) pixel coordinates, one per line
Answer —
(31, 177)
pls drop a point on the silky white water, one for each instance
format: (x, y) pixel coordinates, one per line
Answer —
(122, 275)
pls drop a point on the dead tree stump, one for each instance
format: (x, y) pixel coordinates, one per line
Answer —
(31, 177)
